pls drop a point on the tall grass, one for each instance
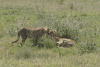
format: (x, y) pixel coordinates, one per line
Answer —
(76, 29)
(78, 20)
(12, 29)
(89, 45)
(67, 26)
(44, 42)
(27, 53)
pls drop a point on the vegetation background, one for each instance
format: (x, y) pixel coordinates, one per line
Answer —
(75, 19)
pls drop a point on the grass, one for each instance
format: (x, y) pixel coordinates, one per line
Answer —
(78, 20)
(79, 61)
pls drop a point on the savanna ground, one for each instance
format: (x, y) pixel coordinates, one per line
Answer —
(75, 19)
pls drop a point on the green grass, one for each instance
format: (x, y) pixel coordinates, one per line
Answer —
(76, 19)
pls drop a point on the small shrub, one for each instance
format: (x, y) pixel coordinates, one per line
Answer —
(44, 42)
(87, 47)
(47, 42)
(90, 44)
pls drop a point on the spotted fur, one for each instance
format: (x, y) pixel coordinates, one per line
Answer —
(35, 33)
(62, 41)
